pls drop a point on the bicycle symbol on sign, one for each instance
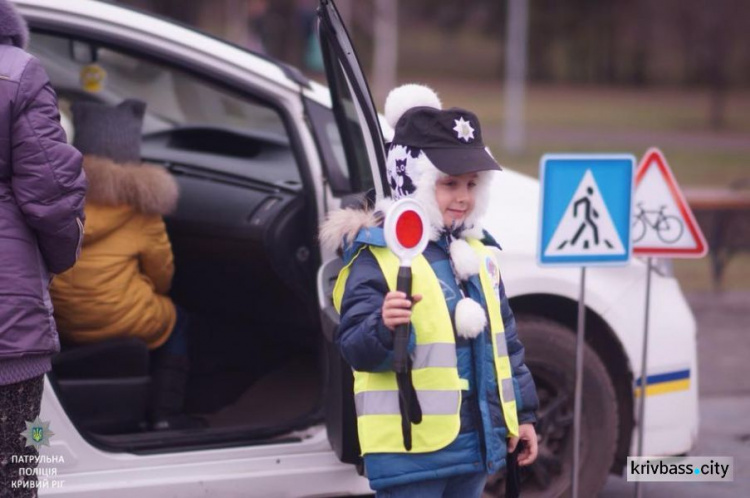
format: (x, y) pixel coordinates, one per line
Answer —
(668, 228)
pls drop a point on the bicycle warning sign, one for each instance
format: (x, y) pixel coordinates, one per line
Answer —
(585, 212)
(663, 224)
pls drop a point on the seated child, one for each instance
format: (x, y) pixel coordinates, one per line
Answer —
(119, 286)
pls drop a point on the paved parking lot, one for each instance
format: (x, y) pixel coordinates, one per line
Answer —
(724, 387)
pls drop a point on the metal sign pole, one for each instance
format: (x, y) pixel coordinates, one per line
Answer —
(579, 382)
(644, 380)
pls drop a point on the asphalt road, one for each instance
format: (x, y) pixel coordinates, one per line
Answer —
(724, 389)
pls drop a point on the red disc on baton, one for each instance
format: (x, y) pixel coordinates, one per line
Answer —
(409, 229)
(405, 230)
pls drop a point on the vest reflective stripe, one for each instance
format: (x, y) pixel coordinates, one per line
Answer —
(502, 346)
(507, 389)
(435, 379)
(434, 355)
(502, 361)
(386, 402)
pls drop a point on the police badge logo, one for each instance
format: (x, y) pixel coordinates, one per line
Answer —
(37, 433)
(464, 130)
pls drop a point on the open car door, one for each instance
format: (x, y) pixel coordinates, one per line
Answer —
(362, 139)
(355, 112)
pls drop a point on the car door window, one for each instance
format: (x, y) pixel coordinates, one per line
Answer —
(189, 120)
(331, 147)
(352, 103)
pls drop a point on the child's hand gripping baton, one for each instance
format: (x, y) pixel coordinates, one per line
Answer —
(406, 236)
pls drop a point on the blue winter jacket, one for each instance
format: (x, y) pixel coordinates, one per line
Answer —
(367, 345)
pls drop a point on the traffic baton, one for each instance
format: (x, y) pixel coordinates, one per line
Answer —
(406, 237)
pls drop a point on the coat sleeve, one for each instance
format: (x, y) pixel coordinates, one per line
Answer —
(155, 258)
(48, 181)
(363, 339)
(526, 392)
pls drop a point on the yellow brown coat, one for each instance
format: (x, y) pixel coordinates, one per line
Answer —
(119, 285)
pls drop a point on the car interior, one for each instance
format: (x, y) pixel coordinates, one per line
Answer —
(243, 238)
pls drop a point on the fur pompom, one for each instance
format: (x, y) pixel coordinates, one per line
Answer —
(470, 318)
(464, 259)
(405, 97)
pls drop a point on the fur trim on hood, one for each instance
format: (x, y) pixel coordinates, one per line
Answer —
(13, 29)
(148, 188)
(342, 225)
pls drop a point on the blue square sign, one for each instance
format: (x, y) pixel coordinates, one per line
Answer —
(585, 212)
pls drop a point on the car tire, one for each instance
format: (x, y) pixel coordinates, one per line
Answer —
(550, 355)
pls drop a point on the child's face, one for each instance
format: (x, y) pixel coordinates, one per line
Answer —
(455, 197)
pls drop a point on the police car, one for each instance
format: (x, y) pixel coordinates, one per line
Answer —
(261, 154)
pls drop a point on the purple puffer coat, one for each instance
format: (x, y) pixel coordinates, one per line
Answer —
(42, 189)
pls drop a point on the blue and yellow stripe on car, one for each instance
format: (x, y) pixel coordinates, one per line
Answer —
(678, 380)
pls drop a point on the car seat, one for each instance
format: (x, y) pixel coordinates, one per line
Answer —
(104, 386)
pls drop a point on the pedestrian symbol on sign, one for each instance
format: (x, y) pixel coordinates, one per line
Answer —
(586, 205)
(586, 225)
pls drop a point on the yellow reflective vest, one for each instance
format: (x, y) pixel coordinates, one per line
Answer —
(434, 363)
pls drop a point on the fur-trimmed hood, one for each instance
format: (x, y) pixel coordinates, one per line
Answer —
(147, 188)
(342, 225)
(13, 29)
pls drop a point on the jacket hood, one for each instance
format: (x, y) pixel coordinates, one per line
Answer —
(147, 188)
(118, 192)
(13, 29)
(341, 226)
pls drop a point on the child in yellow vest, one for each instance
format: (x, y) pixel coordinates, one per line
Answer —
(476, 395)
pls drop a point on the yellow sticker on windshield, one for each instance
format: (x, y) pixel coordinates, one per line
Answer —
(93, 78)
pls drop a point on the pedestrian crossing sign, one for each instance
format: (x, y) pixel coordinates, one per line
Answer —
(585, 211)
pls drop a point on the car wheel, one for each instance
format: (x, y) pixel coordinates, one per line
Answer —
(550, 355)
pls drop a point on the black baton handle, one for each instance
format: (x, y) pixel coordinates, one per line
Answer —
(401, 338)
(409, 407)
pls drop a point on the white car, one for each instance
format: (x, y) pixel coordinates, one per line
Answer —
(261, 154)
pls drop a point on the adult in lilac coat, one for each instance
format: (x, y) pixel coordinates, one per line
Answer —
(42, 189)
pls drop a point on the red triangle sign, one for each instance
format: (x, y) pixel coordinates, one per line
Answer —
(663, 224)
